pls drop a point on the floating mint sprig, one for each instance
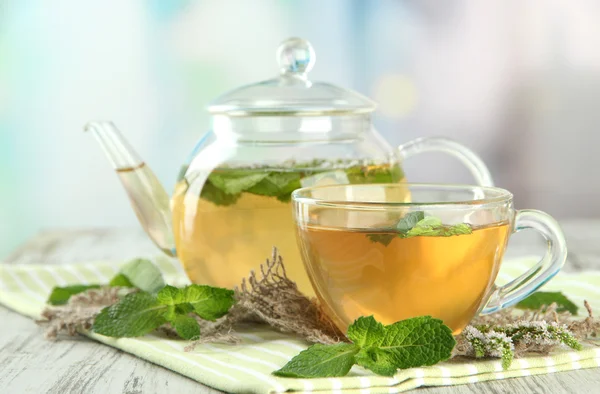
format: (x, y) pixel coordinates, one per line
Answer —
(277, 184)
(409, 221)
(437, 229)
(217, 196)
(225, 186)
(415, 224)
(383, 349)
(236, 181)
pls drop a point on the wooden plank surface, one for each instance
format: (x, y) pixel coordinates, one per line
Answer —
(30, 364)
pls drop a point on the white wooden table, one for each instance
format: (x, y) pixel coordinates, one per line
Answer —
(30, 364)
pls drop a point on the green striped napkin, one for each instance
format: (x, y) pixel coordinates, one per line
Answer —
(247, 367)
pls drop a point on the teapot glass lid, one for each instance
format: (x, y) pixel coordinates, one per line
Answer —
(292, 93)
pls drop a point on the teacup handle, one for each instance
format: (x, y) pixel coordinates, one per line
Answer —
(465, 155)
(521, 287)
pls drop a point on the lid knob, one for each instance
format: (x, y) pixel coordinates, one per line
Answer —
(295, 56)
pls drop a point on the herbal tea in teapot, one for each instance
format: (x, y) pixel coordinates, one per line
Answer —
(241, 213)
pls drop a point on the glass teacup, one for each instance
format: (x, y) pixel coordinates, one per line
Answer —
(369, 252)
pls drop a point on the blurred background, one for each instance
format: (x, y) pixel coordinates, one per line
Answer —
(517, 81)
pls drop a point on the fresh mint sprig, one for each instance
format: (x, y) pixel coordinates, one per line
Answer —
(410, 220)
(415, 224)
(153, 304)
(382, 349)
(140, 313)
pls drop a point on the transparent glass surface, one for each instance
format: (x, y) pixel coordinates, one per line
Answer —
(292, 92)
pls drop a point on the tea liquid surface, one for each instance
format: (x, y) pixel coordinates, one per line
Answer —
(446, 277)
(223, 232)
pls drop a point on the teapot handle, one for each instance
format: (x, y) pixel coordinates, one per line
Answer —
(465, 155)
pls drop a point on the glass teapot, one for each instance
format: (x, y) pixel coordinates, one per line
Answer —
(231, 203)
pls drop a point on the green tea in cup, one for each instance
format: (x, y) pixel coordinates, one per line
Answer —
(437, 255)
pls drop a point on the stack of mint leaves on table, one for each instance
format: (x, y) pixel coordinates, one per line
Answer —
(148, 303)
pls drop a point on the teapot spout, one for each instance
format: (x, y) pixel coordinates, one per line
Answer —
(146, 194)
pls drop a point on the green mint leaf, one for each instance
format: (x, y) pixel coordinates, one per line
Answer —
(120, 280)
(61, 295)
(223, 187)
(438, 231)
(236, 181)
(382, 238)
(144, 275)
(414, 225)
(458, 229)
(409, 221)
(133, 316)
(409, 343)
(429, 221)
(424, 231)
(377, 361)
(277, 184)
(184, 309)
(366, 331)
(321, 361)
(186, 326)
(170, 295)
(540, 299)
(172, 311)
(210, 303)
(217, 196)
